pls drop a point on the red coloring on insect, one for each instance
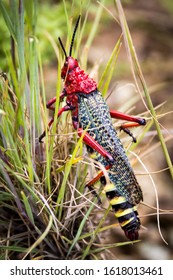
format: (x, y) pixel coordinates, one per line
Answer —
(132, 235)
(75, 78)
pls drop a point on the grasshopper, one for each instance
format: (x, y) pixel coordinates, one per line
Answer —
(89, 109)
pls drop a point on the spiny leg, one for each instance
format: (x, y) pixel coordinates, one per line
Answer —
(63, 109)
(53, 100)
(50, 107)
(98, 177)
(134, 121)
(125, 127)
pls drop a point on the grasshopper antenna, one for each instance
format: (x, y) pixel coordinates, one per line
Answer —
(62, 46)
(74, 33)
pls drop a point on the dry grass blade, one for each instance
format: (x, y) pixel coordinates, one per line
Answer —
(40, 239)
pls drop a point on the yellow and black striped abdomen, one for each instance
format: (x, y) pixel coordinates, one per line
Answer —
(125, 212)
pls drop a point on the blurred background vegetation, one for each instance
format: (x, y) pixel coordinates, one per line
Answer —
(151, 27)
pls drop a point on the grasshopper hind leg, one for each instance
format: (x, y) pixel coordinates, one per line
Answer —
(94, 193)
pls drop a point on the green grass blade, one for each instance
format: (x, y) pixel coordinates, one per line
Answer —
(7, 19)
(11, 186)
(31, 13)
(108, 72)
(66, 174)
(95, 233)
(79, 232)
(92, 33)
(27, 207)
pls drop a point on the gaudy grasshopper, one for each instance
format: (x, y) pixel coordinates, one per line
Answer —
(88, 109)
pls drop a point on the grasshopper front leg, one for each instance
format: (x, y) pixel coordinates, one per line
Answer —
(53, 100)
(50, 107)
(63, 109)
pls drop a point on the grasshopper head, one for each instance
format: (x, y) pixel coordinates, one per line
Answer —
(70, 64)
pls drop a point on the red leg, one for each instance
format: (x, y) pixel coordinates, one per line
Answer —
(122, 116)
(134, 121)
(50, 102)
(94, 145)
(125, 127)
(53, 100)
(94, 180)
(63, 109)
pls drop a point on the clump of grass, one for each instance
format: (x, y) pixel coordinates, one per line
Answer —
(45, 210)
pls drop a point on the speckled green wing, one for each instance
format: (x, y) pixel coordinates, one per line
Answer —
(94, 112)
